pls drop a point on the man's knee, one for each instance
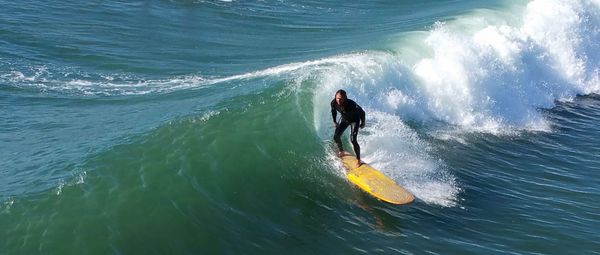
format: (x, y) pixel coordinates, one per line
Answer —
(337, 136)
(353, 139)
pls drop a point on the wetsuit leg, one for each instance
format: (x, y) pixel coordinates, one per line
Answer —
(337, 136)
(353, 136)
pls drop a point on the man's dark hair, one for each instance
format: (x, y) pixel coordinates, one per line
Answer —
(342, 92)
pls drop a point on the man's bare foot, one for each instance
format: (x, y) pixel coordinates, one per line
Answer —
(340, 154)
(359, 163)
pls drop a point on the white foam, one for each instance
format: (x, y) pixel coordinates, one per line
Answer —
(207, 115)
(81, 177)
(77, 178)
(6, 205)
(53, 79)
(397, 150)
(59, 188)
(495, 79)
(569, 32)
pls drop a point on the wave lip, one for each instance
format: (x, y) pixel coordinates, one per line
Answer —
(68, 82)
(498, 76)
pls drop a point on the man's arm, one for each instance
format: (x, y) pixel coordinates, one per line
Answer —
(333, 112)
(362, 116)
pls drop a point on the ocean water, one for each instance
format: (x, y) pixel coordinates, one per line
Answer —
(203, 127)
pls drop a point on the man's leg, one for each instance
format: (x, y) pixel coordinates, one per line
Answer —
(337, 136)
(353, 136)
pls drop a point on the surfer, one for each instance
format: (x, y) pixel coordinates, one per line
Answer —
(352, 115)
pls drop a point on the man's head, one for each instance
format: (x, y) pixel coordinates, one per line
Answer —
(340, 96)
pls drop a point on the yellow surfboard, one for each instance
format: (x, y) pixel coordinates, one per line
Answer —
(374, 182)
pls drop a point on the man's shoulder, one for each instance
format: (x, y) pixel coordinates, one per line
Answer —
(350, 102)
(353, 105)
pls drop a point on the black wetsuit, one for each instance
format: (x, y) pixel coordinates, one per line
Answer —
(352, 115)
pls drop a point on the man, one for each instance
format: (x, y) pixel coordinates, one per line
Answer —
(352, 115)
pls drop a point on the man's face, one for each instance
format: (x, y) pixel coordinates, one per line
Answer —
(339, 99)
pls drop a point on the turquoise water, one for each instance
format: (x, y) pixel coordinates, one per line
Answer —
(203, 127)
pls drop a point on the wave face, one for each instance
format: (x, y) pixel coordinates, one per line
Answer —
(205, 126)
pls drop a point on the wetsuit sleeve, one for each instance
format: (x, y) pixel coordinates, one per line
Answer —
(333, 111)
(362, 114)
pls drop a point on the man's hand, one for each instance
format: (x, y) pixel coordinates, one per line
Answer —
(335, 124)
(362, 125)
